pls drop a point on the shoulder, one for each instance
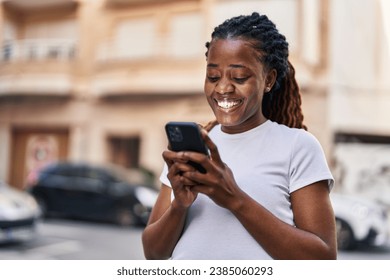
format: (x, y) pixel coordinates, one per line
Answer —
(306, 140)
(299, 137)
(299, 144)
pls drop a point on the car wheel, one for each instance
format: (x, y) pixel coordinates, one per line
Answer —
(124, 217)
(345, 237)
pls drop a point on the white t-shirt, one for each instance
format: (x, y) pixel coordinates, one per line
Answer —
(268, 162)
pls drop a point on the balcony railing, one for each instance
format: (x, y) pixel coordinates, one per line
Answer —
(34, 5)
(111, 51)
(147, 50)
(38, 49)
(130, 2)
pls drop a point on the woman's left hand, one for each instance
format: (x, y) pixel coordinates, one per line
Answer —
(218, 182)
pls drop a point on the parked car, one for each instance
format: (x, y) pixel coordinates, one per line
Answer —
(359, 220)
(80, 190)
(19, 214)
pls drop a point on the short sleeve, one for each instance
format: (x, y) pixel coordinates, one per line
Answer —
(308, 163)
(164, 176)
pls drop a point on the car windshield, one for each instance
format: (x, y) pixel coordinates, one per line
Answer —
(133, 176)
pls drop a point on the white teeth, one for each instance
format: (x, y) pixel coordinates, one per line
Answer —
(227, 104)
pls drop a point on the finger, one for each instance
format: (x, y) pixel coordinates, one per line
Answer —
(175, 176)
(196, 176)
(168, 162)
(187, 182)
(195, 157)
(199, 188)
(170, 157)
(178, 168)
(214, 153)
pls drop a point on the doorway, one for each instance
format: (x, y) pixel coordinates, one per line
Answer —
(32, 150)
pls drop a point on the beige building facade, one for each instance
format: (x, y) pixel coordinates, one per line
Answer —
(96, 80)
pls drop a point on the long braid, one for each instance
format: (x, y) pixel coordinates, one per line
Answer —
(283, 103)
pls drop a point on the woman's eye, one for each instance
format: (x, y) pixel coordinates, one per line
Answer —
(213, 79)
(240, 80)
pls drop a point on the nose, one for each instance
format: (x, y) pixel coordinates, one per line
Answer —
(224, 86)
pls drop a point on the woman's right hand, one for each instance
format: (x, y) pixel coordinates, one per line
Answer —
(184, 195)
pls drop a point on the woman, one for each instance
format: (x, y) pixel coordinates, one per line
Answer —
(266, 191)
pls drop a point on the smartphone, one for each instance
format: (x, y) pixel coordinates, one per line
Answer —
(186, 136)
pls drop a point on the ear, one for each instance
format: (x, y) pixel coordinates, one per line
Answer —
(270, 79)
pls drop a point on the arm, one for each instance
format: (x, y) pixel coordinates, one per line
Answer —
(314, 236)
(167, 219)
(164, 227)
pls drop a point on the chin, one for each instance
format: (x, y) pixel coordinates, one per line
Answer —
(227, 121)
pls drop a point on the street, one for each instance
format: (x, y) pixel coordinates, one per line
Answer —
(60, 239)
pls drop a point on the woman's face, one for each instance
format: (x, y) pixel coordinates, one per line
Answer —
(235, 84)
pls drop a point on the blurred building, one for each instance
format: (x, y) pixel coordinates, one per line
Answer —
(96, 80)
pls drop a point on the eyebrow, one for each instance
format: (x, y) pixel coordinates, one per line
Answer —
(212, 65)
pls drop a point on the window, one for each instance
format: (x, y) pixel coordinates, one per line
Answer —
(136, 38)
(124, 151)
(186, 38)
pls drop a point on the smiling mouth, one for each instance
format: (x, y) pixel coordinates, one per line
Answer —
(228, 104)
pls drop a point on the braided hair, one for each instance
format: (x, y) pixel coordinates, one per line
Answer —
(283, 103)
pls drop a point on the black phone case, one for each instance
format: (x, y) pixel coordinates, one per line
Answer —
(185, 136)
